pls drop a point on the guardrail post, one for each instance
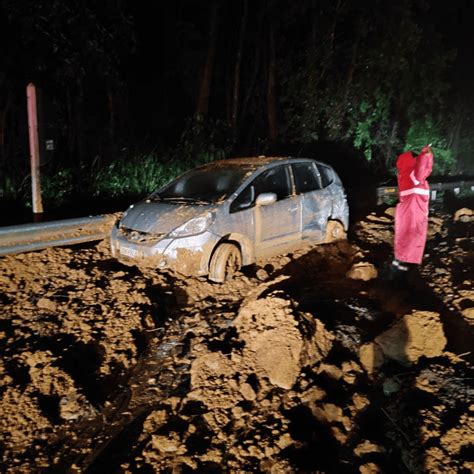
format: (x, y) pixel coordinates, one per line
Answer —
(34, 148)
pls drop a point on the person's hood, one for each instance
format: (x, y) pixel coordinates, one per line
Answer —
(160, 217)
(406, 162)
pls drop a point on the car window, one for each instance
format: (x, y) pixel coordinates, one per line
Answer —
(206, 184)
(306, 179)
(326, 175)
(275, 180)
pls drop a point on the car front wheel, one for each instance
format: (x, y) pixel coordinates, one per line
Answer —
(225, 263)
(334, 232)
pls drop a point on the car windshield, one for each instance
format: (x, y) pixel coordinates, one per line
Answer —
(204, 185)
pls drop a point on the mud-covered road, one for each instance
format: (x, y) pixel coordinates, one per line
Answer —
(310, 362)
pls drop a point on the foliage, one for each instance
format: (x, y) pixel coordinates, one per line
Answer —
(423, 132)
(58, 186)
(203, 140)
(135, 175)
(367, 122)
(364, 77)
(141, 174)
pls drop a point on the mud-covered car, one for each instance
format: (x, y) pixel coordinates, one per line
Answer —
(220, 216)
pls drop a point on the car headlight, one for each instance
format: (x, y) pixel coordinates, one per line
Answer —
(195, 226)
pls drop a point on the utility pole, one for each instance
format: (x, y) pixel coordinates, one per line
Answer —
(32, 105)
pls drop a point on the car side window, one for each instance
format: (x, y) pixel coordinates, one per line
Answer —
(244, 200)
(275, 180)
(306, 179)
(326, 175)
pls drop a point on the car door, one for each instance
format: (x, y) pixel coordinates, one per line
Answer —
(315, 201)
(274, 228)
(277, 225)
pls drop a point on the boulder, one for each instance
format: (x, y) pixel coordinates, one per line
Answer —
(362, 271)
(464, 215)
(416, 335)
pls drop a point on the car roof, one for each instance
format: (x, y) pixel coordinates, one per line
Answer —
(253, 162)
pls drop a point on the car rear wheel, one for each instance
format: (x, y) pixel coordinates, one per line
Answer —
(225, 263)
(334, 232)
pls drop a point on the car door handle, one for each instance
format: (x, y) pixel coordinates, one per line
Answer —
(293, 209)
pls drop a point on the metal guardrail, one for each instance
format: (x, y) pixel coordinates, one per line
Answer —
(30, 237)
(456, 187)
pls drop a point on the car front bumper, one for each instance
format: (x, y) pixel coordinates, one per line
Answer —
(187, 255)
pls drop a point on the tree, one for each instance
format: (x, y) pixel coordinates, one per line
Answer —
(366, 71)
(202, 103)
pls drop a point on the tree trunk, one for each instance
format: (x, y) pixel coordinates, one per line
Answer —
(3, 125)
(202, 104)
(389, 148)
(111, 107)
(79, 123)
(71, 137)
(252, 82)
(238, 62)
(271, 86)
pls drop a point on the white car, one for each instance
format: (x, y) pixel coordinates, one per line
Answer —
(218, 217)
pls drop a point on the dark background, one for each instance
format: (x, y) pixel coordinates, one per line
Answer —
(122, 81)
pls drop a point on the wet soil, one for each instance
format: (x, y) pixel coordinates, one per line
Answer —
(316, 361)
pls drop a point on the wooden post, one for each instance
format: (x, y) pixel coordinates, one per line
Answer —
(34, 148)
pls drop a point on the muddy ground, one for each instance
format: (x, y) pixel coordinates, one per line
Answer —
(310, 362)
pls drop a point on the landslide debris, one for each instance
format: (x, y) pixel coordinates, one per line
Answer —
(308, 362)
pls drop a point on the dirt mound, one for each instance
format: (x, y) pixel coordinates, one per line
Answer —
(70, 328)
(295, 365)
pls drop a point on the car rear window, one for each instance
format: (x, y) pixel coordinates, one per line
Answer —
(326, 174)
(306, 179)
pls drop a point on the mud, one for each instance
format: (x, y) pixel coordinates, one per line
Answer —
(312, 362)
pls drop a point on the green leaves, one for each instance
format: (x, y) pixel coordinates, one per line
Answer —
(364, 78)
(423, 131)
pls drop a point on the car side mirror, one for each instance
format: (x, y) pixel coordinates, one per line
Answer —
(265, 199)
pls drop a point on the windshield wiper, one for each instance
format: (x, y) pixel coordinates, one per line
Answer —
(187, 199)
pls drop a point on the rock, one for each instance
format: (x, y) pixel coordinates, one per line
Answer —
(273, 343)
(373, 218)
(75, 406)
(247, 392)
(338, 434)
(262, 274)
(367, 447)
(331, 370)
(390, 386)
(167, 445)
(328, 413)
(464, 215)
(462, 435)
(369, 468)
(435, 226)
(45, 303)
(313, 395)
(468, 313)
(284, 441)
(360, 401)
(416, 335)
(362, 271)
(371, 357)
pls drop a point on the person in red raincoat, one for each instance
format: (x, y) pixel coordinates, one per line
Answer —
(411, 214)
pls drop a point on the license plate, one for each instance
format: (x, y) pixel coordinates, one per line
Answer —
(129, 252)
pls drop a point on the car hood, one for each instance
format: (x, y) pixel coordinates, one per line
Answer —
(160, 217)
